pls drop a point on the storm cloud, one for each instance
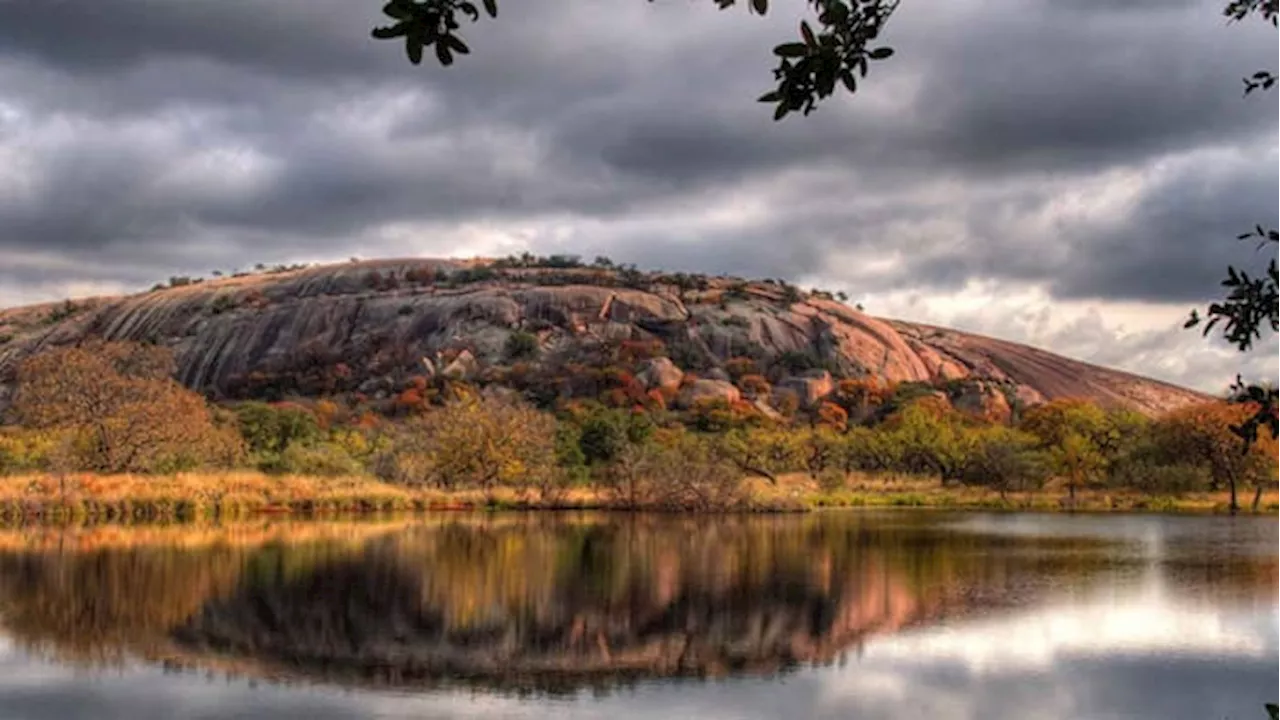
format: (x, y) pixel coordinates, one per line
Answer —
(1092, 162)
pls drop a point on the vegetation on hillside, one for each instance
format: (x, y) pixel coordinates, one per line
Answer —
(536, 431)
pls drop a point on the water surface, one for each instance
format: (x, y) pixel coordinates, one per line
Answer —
(835, 615)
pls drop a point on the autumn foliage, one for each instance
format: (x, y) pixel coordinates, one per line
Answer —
(115, 408)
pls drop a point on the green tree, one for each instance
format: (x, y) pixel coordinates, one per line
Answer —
(272, 429)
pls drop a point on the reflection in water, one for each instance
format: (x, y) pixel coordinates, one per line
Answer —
(527, 600)
(553, 603)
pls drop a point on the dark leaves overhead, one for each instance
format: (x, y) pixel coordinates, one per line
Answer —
(807, 70)
(1251, 301)
(426, 23)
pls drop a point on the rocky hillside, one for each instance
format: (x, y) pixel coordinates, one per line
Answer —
(370, 326)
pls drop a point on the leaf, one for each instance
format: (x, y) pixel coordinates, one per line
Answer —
(850, 83)
(491, 7)
(1274, 711)
(791, 50)
(780, 112)
(413, 48)
(880, 53)
(807, 33)
(771, 96)
(386, 33)
(398, 9)
(760, 6)
(456, 44)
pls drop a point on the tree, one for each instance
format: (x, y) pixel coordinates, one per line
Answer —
(1073, 431)
(1204, 434)
(1005, 459)
(837, 52)
(1251, 299)
(484, 443)
(931, 437)
(119, 408)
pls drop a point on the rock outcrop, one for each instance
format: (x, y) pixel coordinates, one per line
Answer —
(378, 320)
(661, 374)
(810, 387)
(705, 389)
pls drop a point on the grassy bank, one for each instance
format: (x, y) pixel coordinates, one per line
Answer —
(880, 491)
(238, 495)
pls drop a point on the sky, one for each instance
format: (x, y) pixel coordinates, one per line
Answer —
(1067, 174)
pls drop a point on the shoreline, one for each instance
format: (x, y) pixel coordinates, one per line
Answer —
(46, 499)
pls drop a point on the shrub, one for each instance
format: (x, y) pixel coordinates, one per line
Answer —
(23, 451)
(682, 472)
(603, 433)
(870, 450)
(1142, 472)
(1006, 460)
(272, 429)
(484, 443)
(521, 345)
(323, 460)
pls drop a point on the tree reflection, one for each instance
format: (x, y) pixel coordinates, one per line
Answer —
(541, 602)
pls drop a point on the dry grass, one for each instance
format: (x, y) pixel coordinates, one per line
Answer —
(189, 496)
(86, 537)
(894, 490)
(232, 495)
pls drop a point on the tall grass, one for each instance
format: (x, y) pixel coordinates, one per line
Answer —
(230, 495)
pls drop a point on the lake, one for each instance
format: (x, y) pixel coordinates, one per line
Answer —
(880, 615)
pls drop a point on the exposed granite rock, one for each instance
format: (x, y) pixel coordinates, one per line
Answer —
(662, 374)
(705, 389)
(381, 318)
(810, 387)
(984, 400)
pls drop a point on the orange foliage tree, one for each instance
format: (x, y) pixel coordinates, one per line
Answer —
(1203, 434)
(119, 410)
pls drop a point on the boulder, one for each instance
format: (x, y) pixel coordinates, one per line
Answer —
(462, 367)
(810, 386)
(985, 400)
(716, 374)
(662, 374)
(705, 389)
(1028, 396)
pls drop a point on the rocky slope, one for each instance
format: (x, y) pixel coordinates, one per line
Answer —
(372, 324)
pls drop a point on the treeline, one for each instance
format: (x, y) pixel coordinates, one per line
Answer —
(114, 408)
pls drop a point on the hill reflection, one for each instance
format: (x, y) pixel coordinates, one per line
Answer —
(544, 602)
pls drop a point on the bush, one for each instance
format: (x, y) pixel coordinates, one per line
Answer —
(521, 345)
(24, 451)
(1006, 460)
(602, 437)
(323, 460)
(682, 473)
(870, 450)
(272, 429)
(484, 443)
(605, 432)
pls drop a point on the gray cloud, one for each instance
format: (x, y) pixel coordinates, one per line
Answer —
(1099, 150)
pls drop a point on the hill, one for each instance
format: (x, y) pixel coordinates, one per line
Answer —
(372, 326)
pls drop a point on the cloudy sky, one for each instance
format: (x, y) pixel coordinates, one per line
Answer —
(1068, 174)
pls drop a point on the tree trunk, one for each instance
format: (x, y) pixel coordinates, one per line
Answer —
(1257, 497)
(1235, 506)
